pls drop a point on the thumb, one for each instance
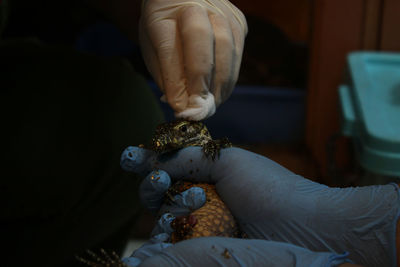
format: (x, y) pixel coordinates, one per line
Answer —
(186, 163)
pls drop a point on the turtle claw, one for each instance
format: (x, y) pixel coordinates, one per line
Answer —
(213, 147)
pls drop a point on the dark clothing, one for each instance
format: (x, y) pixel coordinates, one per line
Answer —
(65, 119)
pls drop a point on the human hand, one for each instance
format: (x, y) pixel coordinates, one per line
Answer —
(222, 251)
(271, 203)
(209, 251)
(193, 49)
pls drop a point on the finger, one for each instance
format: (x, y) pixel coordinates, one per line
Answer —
(184, 203)
(198, 49)
(153, 194)
(222, 251)
(149, 55)
(131, 261)
(153, 189)
(187, 162)
(190, 162)
(224, 56)
(239, 31)
(160, 238)
(151, 248)
(239, 16)
(138, 160)
(167, 44)
(233, 165)
(164, 225)
(155, 185)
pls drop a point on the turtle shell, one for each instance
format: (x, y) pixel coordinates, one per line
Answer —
(212, 219)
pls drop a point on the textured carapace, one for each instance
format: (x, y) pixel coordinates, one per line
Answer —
(212, 219)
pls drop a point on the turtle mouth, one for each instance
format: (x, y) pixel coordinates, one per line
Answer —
(189, 141)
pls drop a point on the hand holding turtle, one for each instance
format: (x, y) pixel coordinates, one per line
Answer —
(271, 203)
(210, 251)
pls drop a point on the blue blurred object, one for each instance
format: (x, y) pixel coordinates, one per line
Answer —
(256, 114)
(370, 105)
(261, 115)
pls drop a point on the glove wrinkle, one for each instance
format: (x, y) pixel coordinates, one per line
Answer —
(217, 251)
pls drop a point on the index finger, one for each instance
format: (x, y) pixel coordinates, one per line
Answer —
(198, 49)
(183, 164)
(167, 45)
(190, 163)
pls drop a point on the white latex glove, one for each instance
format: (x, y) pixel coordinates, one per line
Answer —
(193, 49)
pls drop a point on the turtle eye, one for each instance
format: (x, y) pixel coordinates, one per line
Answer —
(183, 128)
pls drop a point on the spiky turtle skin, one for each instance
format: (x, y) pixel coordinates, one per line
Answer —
(212, 219)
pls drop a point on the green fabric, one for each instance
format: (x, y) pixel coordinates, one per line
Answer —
(66, 117)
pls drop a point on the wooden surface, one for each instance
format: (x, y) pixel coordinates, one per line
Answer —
(337, 30)
(291, 16)
(372, 24)
(390, 26)
(340, 27)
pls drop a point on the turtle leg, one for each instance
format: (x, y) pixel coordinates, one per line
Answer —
(211, 149)
(224, 142)
(172, 191)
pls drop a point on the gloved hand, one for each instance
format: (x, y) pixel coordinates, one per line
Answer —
(271, 203)
(209, 251)
(193, 49)
(219, 251)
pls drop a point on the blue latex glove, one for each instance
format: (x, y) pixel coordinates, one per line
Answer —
(272, 203)
(211, 251)
(218, 251)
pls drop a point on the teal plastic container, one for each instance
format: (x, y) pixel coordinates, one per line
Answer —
(370, 107)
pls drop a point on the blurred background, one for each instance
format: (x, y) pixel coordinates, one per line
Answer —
(286, 103)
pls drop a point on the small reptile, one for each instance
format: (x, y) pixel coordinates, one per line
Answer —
(214, 217)
(171, 136)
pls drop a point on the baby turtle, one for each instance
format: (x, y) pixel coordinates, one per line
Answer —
(214, 217)
(171, 136)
